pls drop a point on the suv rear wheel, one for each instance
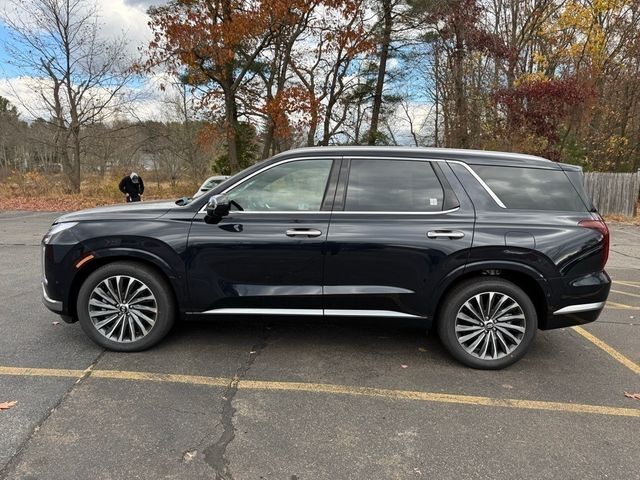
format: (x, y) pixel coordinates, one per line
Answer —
(125, 306)
(487, 323)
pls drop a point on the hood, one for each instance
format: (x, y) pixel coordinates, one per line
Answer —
(125, 211)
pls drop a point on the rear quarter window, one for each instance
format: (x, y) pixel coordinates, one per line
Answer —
(532, 188)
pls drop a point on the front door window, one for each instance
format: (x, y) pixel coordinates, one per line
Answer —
(292, 186)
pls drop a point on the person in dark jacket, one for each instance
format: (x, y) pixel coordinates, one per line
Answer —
(132, 186)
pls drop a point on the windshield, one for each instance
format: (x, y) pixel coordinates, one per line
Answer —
(210, 184)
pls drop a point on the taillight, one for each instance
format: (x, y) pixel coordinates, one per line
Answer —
(600, 226)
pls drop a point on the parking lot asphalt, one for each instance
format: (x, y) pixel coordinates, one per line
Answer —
(293, 399)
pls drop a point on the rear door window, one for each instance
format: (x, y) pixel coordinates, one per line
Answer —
(532, 188)
(393, 186)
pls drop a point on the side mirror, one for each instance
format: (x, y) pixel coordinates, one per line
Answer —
(218, 206)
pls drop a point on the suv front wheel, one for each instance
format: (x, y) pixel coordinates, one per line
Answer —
(487, 323)
(125, 306)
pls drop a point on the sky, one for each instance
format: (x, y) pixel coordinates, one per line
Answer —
(117, 16)
(130, 17)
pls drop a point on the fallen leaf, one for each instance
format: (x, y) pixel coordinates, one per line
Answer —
(635, 396)
(404, 366)
(7, 405)
(421, 349)
(189, 455)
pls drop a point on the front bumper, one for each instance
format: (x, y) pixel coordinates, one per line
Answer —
(50, 303)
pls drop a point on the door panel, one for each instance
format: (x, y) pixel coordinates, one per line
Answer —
(269, 256)
(247, 260)
(387, 262)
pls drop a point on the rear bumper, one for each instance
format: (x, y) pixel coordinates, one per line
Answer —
(578, 314)
(581, 300)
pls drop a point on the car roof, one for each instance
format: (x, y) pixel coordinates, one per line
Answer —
(472, 157)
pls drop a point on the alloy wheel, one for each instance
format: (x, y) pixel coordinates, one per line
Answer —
(123, 308)
(490, 325)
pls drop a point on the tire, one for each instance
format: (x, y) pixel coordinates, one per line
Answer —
(460, 321)
(136, 332)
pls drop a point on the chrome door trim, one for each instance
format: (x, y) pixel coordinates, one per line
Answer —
(263, 311)
(368, 313)
(307, 311)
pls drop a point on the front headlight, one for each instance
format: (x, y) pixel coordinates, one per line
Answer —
(56, 229)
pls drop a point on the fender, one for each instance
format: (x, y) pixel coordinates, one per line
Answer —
(176, 277)
(158, 261)
(478, 267)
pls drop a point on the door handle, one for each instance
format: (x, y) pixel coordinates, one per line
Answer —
(444, 234)
(303, 232)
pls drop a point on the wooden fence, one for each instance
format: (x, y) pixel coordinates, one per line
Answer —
(613, 193)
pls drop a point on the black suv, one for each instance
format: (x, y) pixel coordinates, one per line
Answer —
(486, 247)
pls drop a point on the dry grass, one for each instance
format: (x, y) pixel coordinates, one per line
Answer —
(39, 192)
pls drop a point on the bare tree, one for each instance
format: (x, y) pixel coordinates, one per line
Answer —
(383, 55)
(81, 76)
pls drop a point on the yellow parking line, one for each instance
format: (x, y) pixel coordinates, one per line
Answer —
(625, 293)
(439, 397)
(627, 283)
(41, 372)
(634, 367)
(622, 306)
(162, 377)
(266, 385)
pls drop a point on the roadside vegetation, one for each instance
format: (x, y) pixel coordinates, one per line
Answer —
(241, 81)
(48, 193)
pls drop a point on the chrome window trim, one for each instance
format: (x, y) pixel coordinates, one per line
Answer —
(491, 193)
(237, 184)
(363, 212)
(296, 159)
(340, 212)
(582, 307)
(484, 185)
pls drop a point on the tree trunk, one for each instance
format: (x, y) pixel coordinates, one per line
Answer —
(313, 122)
(382, 71)
(268, 139)
(436, 125)
(461, 130)
(74, 176)
(231, 127)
